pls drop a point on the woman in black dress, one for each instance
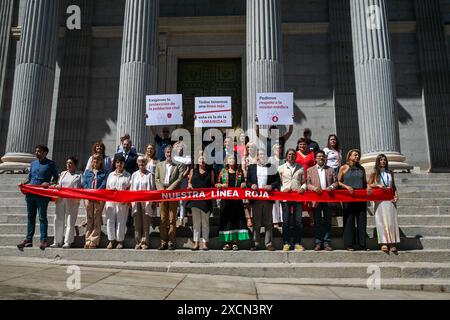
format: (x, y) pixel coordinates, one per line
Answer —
(200, 177)
(233, 224)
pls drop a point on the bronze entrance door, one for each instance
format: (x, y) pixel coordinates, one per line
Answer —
(209, 78)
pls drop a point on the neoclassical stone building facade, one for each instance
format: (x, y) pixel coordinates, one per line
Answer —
(376, 72)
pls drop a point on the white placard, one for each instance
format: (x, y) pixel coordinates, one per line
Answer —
(213, 112)
(164, 109)
(275, 108)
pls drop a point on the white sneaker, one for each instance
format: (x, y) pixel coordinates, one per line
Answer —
(66, 246)
(55, 245)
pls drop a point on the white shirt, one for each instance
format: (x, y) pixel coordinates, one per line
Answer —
(167, 176)
(323, 179)
(69, 180)
(261, 173)
(141, 181)
(333, 157)
(118, 181)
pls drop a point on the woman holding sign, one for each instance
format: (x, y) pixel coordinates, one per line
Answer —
(233, 224)
(385, 211)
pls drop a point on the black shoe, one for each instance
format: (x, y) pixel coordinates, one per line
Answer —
(43, 245)
(163, 247)
(171, 246)
(24, 244)
(270, 248)
(254, 248)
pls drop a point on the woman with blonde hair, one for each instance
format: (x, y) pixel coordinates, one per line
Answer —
(353, 176)
(94, 178)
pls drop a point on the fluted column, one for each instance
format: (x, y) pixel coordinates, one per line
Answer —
(375, 83)
(6, 9)
(264, 53)
(138, 71)
(343, 75)
(33, 83)
(435, 74)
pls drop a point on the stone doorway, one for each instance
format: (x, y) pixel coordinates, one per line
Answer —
(207, 78)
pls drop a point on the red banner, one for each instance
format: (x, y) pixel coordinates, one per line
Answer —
(359, 195)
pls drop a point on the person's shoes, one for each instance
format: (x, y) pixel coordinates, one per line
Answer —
(226, 247)
(163, 247)
(254, 248)
(205, 247)
(328, 248)
(171, 247)
(270, 248)
(55, 245)
(299, 247)
(317, 247)
(43, 245)
(92, 246)
(385, 248)
(137, 247)
(119, 245)
(24, 244)
(66, 246)
(110, 245)
(144, 246)
(87, 246)
(235, 247)
(286, 247)
(350, 249)
(394, 250)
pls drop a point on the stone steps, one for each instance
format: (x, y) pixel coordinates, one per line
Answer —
(242, 256)
(185, 242)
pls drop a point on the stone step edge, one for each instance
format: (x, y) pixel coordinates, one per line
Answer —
(416, 284)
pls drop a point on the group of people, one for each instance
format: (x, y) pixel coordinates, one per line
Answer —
(245, 165)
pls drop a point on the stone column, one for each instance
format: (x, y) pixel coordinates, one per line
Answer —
(6, 9)
(435, 74)
(375, 83)
(33, 84)
(264, 53)
(138, 71)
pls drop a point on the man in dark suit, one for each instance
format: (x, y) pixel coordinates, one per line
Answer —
(130, 157)
(265, 176)
(321, 177)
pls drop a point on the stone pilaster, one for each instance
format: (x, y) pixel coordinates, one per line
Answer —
(343, 74)
(74, 89)
(435, 74)
(375, 83)
(33, 84)
(138, 71)
(264, 53)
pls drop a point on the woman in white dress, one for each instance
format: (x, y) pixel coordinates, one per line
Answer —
(141, 211)
(385, 211)
(117, 212)
(66, 211)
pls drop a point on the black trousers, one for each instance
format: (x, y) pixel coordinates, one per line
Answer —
(355, 212)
